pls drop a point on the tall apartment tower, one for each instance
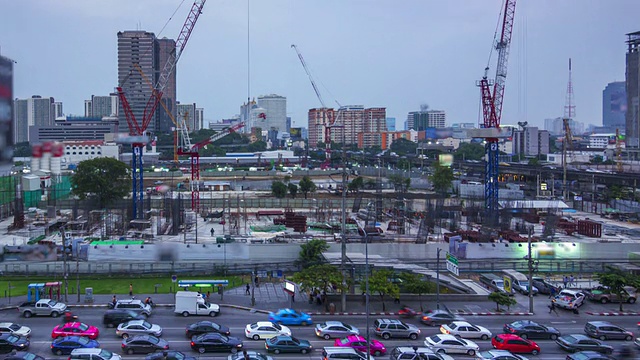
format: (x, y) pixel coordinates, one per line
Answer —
(632, 78)
(56, 110)
(275, 108)
(150, 54)
(318, 119)
(6, 114)
(102, 106)
(199, 121)
(34, 111)
(165, 51)
(614, 105)
(188, 113)
(421, 120)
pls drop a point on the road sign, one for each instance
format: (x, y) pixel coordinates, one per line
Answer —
(174, 278)
(276, 273)
(262, 273)
(452, 264)
(507, 284)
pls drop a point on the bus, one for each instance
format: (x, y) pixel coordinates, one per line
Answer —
(519, 282)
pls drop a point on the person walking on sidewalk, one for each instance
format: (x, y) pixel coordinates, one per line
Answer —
(552, 308)
(247, 290)
(130, 289)
(552, 292)
(565, 279)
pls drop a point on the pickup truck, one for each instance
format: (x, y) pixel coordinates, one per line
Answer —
(43, 307)
(604, 295)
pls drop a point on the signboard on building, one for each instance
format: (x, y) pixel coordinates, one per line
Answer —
(6, 114)
(295, 133)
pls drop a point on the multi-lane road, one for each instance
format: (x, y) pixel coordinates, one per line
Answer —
(174, 331)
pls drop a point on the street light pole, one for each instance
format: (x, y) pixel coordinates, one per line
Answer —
(438, 279)
(530, 265)
(366, 281)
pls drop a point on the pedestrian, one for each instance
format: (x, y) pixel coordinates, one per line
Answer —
(257, 281)
(572, 280)
(245, 356)
(130, 289)
(310, 297)
(208, 295)
(396, 299)
(318, 299)
(247, 290)
(212, 232)
(565, 279)
(552, 292)
(113, 301)
(552, 307)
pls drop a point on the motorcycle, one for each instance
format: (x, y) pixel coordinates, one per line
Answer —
(69, 317)
(407, 312)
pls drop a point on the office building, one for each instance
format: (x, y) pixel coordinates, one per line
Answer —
(87, 108)
(555, 126)
(34, 111)
(141, 48)
(102, 106)
(74, 128)
(632, 78)
(423, 119)
(187, 113)
(245, 114)
(614, 105)
(391, 124)
(6, 115)
(199, 121)
(56, 110)
(275, 110)
(318, 120)
(530, 141)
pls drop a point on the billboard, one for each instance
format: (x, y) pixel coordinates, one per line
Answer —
(296, 133)
(6, 114)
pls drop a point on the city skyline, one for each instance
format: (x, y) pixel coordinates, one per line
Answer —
(415, 52)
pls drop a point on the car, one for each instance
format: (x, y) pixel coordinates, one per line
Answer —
(589, 355)
(169, 355)
(75, 328)
(388, 328)
(545, 287)
(515, 344)
(265, 330)
(10, 342)
(23, 355)
(528, 329)
(605, 330)
(138, 327)
(215, 342)
(439, 317)
(499, 355)
(569, 299)
(283, 343)
(64, 345)
(335, 329)
(334, 352)
(604, 295)
(579, 342)
(450, 344)
(416, 353)
(290, 317)
(251, 355)
(113, 318)
(93, 354)
(15, 329)
(204, 327)
(143, 344)
(360, 343)
(465, 330)
(134, 305)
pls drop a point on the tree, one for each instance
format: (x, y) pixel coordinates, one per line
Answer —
(399, 182)
(306, 185)
(293, 189)
(356, 184)
(104, 180)
(403, 147)
(501, 298)
(441, 178)
(616, 280)
(469, 151)
(414, 284)
(380, 282)
(533, 162)
(279, 189)
(319, 277)
(311, 253)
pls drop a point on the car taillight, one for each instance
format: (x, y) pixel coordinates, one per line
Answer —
(425, 318)
(377, 329)
(166, 347)
(193, 344)
(123, 345)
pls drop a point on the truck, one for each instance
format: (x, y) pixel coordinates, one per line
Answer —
(604, 295)
(42, 307)
(193, 303)
(495, 283)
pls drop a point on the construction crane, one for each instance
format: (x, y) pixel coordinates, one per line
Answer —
(327, 117)
(138, 130)
(567, 143)
(492, 112)
(193, 151)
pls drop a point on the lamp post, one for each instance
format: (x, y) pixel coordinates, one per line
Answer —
(530, 266)
(366, 277)
(438, 279)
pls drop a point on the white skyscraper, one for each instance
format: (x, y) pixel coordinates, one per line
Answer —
(275, 109)
(35, 110)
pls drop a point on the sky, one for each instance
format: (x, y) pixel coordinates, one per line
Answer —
(396, 54)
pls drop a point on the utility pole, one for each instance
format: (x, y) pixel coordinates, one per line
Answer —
(77, 272)
(530, 262)
(64, 265)
(343, 262)
(438, 279)
(253, 288)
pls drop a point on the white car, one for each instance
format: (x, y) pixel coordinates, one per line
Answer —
(465, 330)
(451, 345)
(265, 330)
(15, 329)
(138, 327)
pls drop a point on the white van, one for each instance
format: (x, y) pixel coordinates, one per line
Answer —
(192, 303)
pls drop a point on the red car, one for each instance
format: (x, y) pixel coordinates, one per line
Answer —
(75, 329)
(515, 344)
(360, 343)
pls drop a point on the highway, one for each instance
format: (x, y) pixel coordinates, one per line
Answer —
(174, 331)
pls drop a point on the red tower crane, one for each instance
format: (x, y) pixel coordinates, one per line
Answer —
(492, 112)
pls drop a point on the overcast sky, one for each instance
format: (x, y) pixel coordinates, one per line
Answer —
(396, 54)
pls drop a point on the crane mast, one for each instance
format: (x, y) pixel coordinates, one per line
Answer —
(492, 100)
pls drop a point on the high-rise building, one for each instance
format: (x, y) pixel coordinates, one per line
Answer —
(245, 115)
(34, 111)
(187, 112)
(275, 110)
(87, 108)
(423, 119)
(141, 48)
(632, 78)
(56, 110)
(391, 124)
(318, 119)
(6, 114)
(166, 51)
(531, 141)
(355, 119)
(199, 122)
(614, 105)
(102, 106)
